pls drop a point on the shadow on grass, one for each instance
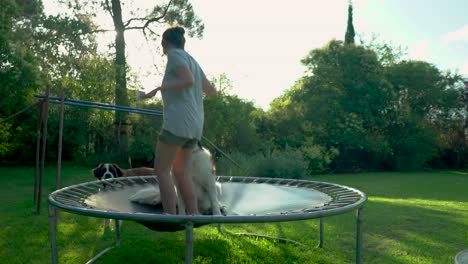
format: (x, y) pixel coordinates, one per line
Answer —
(416, 232)
(141, 245)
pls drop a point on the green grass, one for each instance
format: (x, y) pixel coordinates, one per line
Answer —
(409, 218)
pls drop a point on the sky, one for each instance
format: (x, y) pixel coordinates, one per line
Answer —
(259, 44)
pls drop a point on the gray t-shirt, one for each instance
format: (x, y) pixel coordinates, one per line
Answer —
(183, 110)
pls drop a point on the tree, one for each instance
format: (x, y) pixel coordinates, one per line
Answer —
(62, 47)
(387, 53)
(147, 21)
(426, 108)
(339, 107)
(349, 36)
(19, 77)
(229, 120)
(86, 130)
(67, 60)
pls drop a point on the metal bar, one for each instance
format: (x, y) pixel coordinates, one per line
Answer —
(321, 233)
(284, 240)
(188, 242)
(100, 254)
(44, 144)
(117, 108)
(102, 106)
(38, 149)
(59, 154)
(224, 154)
(53, 234)
(19, 112)
(358, 235)
(118, 224)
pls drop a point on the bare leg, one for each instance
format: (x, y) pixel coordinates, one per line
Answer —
(184, 181)
(165, 155)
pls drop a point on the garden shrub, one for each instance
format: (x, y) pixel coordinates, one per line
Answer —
(141, 153)
(289, 163)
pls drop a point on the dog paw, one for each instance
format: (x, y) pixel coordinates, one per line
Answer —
(223, 210)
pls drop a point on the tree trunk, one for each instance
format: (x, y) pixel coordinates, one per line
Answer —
(121, 97)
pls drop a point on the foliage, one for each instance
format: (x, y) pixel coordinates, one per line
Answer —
(387, 53)
(289, 163)
(145, 131)
(5, 137)
(319, 157)
(60, 43)
(367, 110)
(345, 99)
(358, 107)
(19, 76)
(141, 153)
(284, 124)
(423, 95)
(124, 16)
(79, 22)
(349, 36)
(225, 166)
(229, 121)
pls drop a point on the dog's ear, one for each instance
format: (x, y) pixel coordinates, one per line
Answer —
(150, 164)
(118, 170)
(96, 170)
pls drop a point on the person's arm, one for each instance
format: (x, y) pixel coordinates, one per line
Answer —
(150, 94)
(208, 88)
(184, 80)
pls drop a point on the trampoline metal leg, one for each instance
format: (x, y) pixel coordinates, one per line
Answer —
(53, 233)
(320, 245)
(118, 224)
(358, 235)
(117, 228)
(188, 242)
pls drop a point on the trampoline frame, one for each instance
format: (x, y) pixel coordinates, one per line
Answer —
(344, 199)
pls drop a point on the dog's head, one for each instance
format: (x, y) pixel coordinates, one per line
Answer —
(107, 171)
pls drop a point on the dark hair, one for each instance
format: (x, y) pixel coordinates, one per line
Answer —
(175, 36)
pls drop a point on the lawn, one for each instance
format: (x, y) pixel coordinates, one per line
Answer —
(417, 217)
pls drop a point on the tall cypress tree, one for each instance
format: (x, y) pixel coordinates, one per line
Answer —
(349, 36)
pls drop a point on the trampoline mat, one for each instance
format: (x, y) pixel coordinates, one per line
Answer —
(238, 199)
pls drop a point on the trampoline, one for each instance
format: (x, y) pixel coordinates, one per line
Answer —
(246, 200)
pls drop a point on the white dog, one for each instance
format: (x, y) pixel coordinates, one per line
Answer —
(202, 171)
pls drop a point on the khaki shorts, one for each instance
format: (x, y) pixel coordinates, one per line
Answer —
(169, 138)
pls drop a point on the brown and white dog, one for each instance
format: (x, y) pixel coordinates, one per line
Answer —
(202, 171)
(111, 170)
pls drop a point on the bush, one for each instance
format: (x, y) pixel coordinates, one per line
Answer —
(319, 157)
(289, 163)
(141, 153)
(224, 166)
